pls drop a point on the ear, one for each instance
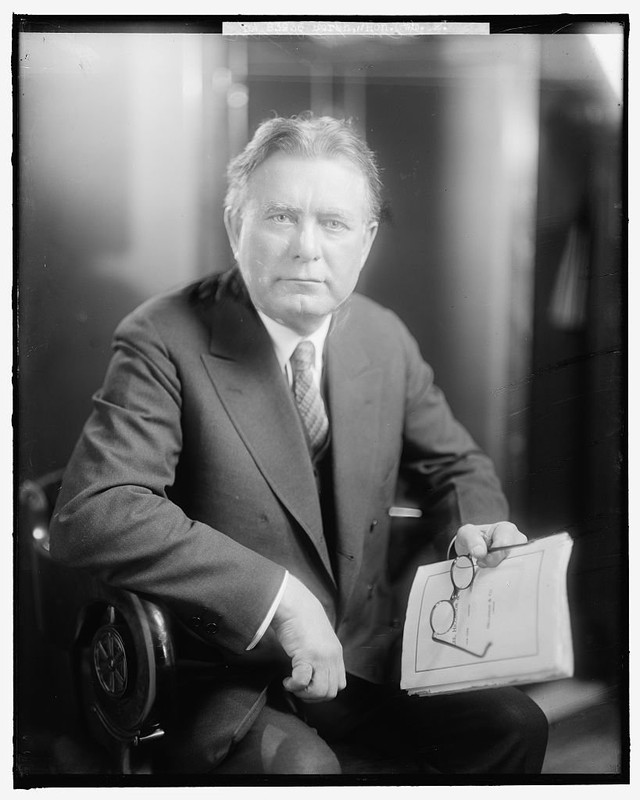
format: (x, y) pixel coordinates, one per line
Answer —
(369, 236)
(233, 225)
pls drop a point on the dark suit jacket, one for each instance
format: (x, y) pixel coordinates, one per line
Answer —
(192, 480)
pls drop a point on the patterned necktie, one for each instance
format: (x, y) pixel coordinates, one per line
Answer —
(308, 397)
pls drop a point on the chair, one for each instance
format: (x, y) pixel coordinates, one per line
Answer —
(120, 644)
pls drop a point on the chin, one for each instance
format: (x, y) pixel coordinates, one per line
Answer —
(303, 303)
(301, 315)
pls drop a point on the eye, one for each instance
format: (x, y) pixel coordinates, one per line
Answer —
(335, 225)
(281, 218)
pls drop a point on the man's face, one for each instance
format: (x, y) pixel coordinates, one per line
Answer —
(302, 237)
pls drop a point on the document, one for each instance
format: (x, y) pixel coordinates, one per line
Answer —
(509, 625)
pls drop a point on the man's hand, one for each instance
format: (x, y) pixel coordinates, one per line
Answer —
(476, 540)
(306, 635)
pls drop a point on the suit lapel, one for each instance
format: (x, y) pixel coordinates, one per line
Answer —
(354, 402)
(245, 373)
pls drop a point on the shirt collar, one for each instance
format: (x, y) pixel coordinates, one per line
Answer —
(285, 340)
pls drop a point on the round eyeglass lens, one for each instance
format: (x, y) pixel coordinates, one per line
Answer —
(462, 572)
(442, 617)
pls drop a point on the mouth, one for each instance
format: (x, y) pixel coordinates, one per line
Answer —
(302, 283)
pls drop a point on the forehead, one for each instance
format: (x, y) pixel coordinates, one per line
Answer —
(303, 181)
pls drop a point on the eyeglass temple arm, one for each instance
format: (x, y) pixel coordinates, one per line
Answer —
(511, 546)
(459, 647)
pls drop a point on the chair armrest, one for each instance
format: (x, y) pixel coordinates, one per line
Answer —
(122, 642)
(127, 662)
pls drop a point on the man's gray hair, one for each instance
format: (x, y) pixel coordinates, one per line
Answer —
(308, 136)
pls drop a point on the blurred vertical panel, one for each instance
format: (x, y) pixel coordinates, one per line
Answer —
(222, 125)
(322, 89)
(457, 135)
(489, 193)
(117, 165)
(354, 102)
(75, 210)
(237, 95)
(161, 146)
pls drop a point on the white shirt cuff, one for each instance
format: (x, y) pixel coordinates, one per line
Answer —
(451, 543)
(270, 614)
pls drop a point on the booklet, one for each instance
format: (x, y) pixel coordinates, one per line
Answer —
(510, 625)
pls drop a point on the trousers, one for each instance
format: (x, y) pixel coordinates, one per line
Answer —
(494, 731)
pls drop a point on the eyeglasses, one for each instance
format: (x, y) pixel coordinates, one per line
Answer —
(445, 612)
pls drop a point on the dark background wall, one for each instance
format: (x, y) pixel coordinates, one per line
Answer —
(576, 477)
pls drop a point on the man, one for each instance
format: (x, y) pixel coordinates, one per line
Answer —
(245, 481)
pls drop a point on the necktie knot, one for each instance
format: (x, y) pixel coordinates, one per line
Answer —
(303, 357)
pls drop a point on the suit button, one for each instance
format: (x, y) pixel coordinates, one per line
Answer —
(196, 622)
(374, 522)
(211, 628)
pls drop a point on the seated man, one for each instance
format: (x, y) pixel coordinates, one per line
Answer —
(239, 465)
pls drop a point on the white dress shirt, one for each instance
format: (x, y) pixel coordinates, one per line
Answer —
(284, 342)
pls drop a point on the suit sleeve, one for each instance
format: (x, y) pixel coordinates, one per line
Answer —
(115, 517)
(441, 464)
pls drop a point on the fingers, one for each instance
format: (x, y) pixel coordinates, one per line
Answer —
(319, 683)
(300, 678)
(470, 541)
(314, 686)
(501, 534)
(506, 533)
(477, 540)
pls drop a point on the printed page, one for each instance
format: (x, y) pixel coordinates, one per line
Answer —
(512, 622)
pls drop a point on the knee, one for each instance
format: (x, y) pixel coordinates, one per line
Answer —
(310, 756)
(527, 716)
(519, 718)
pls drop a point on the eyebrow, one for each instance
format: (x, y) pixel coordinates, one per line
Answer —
(336, 212)
(271, 208)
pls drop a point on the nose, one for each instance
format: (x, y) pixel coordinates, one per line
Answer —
(306, 246)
